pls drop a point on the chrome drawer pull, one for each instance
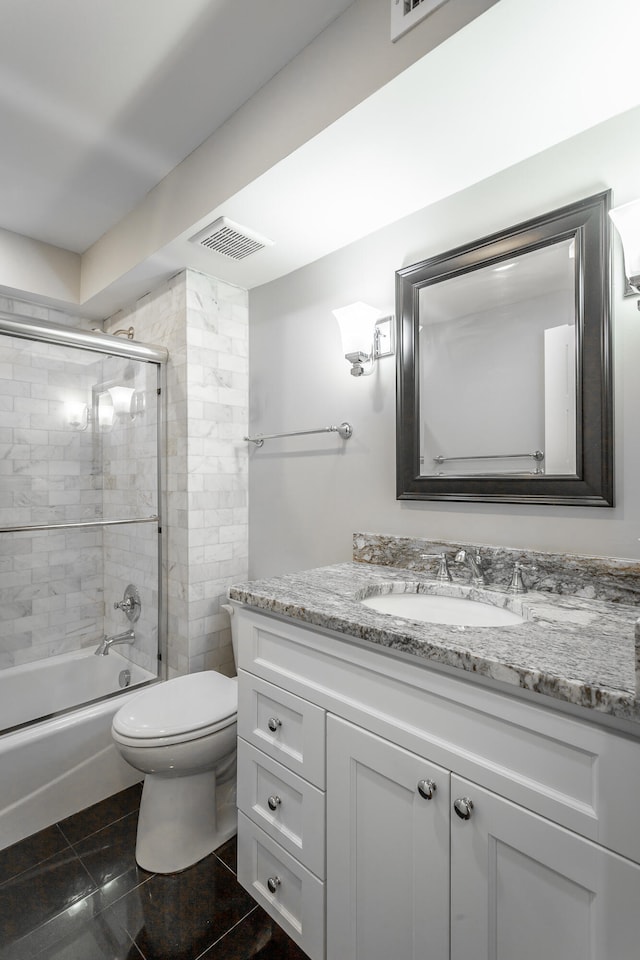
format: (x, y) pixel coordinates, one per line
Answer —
(426, 789)
(463, 807)
(274, 802)
(273, 883)
(273, 723)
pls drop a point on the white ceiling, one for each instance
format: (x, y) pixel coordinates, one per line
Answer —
(100, 99)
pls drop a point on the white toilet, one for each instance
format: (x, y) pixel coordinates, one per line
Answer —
(182, 735)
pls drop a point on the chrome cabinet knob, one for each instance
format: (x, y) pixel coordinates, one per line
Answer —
(274, 802)
(426, 789)
(463, 807)
(273, 723)
(273, 883)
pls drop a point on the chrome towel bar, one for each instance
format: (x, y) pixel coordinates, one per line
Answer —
(536, 455)
(344, 430)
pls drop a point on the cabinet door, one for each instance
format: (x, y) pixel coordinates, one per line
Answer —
(387, 850)
(523, 888)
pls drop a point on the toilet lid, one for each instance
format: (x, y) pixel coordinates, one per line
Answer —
(178, 706)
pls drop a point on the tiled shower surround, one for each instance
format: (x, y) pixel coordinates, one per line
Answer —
(58, 587)
(57, 582)
(204, 325)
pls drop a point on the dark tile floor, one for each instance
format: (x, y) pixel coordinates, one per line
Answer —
(74, 892)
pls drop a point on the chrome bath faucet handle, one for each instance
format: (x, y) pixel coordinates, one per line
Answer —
(130, 604)
(517, 583)
(443, 574)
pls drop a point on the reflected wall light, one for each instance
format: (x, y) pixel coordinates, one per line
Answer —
(121, 398)
(627, 222)
(77, 414)
(367, 335)
(105, 411)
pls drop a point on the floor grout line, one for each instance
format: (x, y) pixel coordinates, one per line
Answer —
(227, 932)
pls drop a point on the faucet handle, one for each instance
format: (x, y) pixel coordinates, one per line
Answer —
(443, 564)
(130, 604)
(443, 573)
(517, 583)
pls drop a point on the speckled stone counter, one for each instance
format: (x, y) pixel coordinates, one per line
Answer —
(575, 647)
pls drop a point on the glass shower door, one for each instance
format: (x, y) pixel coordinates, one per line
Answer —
(80, 455)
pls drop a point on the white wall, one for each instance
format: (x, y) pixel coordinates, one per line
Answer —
(308, 495)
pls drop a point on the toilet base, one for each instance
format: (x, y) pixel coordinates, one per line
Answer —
(183, 819)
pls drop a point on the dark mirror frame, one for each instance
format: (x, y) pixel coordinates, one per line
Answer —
(588, 222)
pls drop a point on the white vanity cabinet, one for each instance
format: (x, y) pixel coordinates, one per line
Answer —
(387, 849)
(523, 887)
(281, 807)
(547, 864)
(410, 877)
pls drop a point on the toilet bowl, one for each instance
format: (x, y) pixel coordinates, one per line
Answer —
(182, 735)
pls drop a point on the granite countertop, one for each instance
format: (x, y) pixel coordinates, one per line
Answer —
(572, 648)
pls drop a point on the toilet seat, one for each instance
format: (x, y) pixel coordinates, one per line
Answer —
(181, 709)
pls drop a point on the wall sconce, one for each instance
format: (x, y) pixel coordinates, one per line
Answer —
(627, 222)
(367, 335)
(77, 414)
(121, 398)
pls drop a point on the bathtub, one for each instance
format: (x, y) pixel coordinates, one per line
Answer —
(66, 761)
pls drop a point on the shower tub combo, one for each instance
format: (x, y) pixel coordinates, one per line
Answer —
(66, 760)
(80, 476)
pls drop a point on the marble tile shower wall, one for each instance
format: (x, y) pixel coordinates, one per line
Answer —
(51, 586)
(204, 325)
(130, 482)
(57, 587)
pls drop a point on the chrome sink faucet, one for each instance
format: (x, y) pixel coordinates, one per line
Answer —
(474, 562)
(107, 642)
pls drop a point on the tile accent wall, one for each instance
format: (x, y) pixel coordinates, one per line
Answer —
(203, 323)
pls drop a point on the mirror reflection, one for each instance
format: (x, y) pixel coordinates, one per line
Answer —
(504, 365)
(497, 368)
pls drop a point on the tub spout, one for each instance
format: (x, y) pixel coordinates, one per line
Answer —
(127, 637)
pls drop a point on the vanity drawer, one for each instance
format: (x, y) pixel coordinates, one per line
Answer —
(285, 727)
(282, 886)
(288, 808)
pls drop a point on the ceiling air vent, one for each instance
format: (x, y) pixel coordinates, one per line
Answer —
(406, 13)
(230, 239)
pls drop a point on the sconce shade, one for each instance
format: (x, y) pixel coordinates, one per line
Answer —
(357, 323)
(627, 221)
(121, 399)
(77, 414)
(105, 411)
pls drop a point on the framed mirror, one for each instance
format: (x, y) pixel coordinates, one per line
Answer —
(504, 386)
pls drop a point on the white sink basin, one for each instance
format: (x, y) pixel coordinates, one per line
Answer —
(433, 608)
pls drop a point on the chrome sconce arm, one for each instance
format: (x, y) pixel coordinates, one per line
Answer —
(627, 222)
